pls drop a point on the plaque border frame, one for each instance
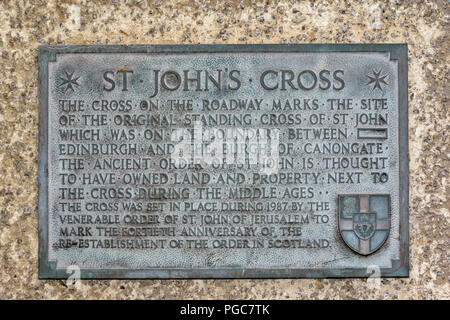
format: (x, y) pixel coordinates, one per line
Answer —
(400, 268)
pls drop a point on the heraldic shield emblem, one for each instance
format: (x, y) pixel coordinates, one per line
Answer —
(364, 221)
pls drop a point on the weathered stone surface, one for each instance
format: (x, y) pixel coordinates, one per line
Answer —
(423, 25)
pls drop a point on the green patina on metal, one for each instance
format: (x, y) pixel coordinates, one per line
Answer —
(400, 268)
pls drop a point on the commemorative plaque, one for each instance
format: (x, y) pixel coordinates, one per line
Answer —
(223, 161)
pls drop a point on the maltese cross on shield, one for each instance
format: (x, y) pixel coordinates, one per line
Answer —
(364, 221)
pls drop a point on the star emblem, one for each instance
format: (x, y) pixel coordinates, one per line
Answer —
(69, 81)
(376, 78)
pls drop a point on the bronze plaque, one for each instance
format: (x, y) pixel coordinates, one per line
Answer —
(217, 161)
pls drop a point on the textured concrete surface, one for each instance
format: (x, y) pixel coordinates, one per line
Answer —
(422, 24)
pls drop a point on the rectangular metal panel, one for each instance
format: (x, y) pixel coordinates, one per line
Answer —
(223, 161)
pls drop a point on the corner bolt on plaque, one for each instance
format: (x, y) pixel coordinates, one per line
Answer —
(223, 161)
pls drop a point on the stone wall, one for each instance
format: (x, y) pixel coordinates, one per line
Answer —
(422, 24)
